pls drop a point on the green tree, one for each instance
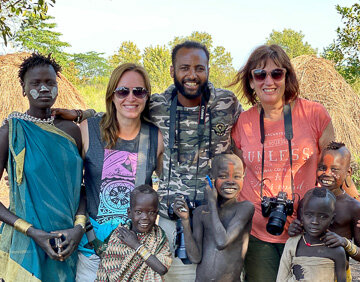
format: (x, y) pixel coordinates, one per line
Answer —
(39, 36)
(25, 10)
(345, 50)
(157, 62)
(90, 65)
(127, 53)
(292, 42)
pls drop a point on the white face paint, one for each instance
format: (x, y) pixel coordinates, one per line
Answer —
(34, 93)
(43, 88)
(54, 92)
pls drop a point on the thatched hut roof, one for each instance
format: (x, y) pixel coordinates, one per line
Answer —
(320, 82)
(11, 98)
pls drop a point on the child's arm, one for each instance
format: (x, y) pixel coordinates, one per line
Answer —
(193, 240)
(340, 265)
(130, 239)
(224, 237)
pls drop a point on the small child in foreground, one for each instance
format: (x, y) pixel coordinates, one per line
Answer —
(221, 228)
(139, 251)
(306, 257)
(333, 169)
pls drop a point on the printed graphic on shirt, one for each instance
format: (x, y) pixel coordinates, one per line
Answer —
(118, 179)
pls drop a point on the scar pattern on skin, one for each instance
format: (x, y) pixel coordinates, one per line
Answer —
(34, 93)
(54, 92)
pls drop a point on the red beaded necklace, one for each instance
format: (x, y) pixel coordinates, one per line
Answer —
(312, 245)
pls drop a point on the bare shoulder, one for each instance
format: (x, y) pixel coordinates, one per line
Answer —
(352, 204)
(200, 211)
(245, 208)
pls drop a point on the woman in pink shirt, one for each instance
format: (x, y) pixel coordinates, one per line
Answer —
(269, 83)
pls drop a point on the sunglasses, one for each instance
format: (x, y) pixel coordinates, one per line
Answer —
(139, 92)
(276, 74)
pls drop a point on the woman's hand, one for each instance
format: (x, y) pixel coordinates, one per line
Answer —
(42, 239)
(295, 228)
(181, 209)
(332, 240)
(129, 237)
(72, 240)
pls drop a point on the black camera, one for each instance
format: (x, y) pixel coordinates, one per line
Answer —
(180, 251)
(277, 209)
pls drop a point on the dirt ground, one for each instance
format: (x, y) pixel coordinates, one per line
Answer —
(355, 270)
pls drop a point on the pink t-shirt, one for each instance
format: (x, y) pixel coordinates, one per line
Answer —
(309, 120)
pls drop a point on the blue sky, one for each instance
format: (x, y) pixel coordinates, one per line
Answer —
(239, 26)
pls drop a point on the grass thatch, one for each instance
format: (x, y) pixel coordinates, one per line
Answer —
(320, 82)
(11, 98)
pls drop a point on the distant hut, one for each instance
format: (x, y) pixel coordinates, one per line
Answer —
(11, 98)
(320, 82)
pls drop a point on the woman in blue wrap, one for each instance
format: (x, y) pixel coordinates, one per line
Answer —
(45, 220)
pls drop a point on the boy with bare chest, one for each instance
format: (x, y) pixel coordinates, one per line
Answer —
(219, 240)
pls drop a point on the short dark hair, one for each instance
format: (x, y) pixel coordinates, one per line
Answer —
(37, 60)
(333, 146)
(188, 45)
(319, 193)
(259, 57)
(142, 189)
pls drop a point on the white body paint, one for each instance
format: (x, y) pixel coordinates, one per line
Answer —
(34, 93)
(54, 92)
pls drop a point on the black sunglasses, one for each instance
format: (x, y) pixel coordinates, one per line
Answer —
(139, 92)
(276, 74)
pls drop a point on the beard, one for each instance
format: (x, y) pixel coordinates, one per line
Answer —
(203, 89)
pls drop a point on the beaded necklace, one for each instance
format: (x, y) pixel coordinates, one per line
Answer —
(27, 117)
(312, 245)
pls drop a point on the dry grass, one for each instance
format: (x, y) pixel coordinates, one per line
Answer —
(320, 82)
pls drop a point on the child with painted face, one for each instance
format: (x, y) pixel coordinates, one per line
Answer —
(139, 250)
(306, 257)
(221, 228)
(333, 168)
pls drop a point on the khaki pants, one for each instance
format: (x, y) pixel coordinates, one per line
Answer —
(178, 271)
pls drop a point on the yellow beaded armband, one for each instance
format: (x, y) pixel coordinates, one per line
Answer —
(22, 225)
(351, 248)
(80, 220)
(143, 252)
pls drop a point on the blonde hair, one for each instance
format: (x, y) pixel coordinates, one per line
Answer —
(109, 126)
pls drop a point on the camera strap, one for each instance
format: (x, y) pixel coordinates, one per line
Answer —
(288, 135)
(173, 136)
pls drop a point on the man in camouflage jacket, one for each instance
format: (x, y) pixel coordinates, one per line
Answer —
(192, 90)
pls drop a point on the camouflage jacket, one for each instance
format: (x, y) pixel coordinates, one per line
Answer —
(222, 112)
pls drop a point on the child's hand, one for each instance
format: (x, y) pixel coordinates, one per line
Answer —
(332, 240)
(295, 228)
(128, 237)
(358, 223)
(181, 209)
(211, 194)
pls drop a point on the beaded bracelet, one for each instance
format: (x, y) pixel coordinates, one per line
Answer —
(79, 114)
(22, 225)
(143, 252)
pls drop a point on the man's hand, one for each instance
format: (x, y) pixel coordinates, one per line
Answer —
(295, 228)
(72, 240)
(42, 239)
(64, 113)
(129, 238)
(332, 240)
(181, 209)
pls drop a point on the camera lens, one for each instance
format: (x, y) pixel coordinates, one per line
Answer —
(277, 219)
